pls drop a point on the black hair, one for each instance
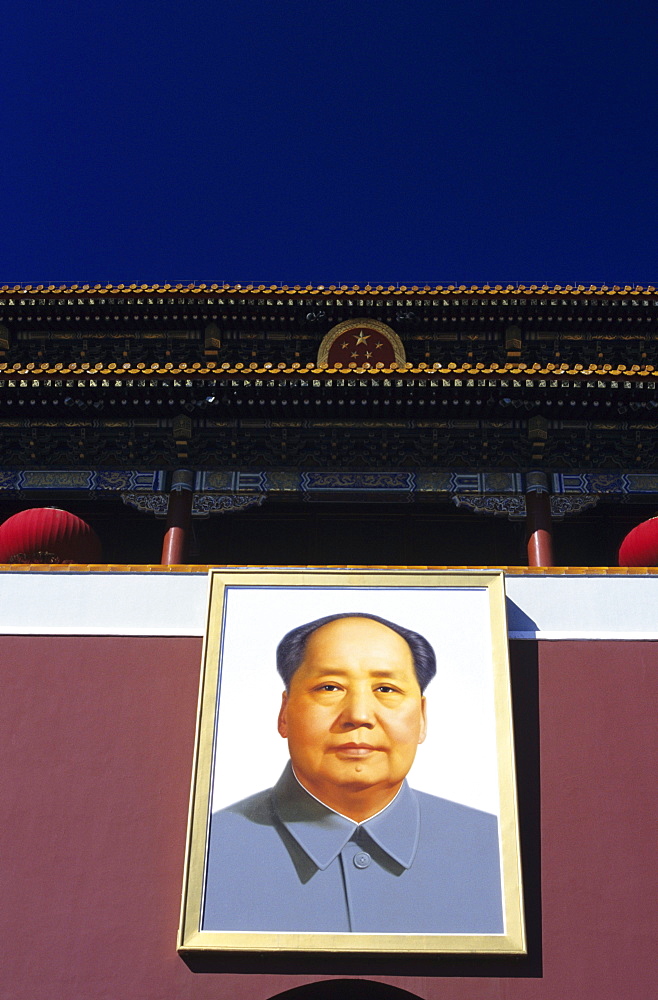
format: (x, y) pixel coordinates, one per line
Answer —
(290, 651)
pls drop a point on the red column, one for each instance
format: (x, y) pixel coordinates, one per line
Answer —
(538, 520)
(179, 518)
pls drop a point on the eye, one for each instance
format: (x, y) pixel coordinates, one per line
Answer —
(328, 687)
(387, 689)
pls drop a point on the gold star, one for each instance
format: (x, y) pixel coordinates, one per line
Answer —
(362, 338)
(377, 346)
(368, 354)
(353, 354)
(344, 345)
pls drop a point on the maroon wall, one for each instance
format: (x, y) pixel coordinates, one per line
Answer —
(97, 738)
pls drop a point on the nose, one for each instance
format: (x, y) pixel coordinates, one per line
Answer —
(358, 710)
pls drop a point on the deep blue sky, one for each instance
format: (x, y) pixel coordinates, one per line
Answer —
(329, 141)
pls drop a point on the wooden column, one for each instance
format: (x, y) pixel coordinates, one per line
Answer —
(179, 518)
(539, 533)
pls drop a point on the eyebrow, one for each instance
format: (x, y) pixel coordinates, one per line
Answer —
(340, 672)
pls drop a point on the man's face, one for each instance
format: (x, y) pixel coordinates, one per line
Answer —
(354, 714)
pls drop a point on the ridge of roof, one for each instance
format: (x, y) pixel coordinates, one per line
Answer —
(191, 288)
(203, 568)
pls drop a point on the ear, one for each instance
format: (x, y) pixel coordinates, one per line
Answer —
(283, 716)
(423, 720)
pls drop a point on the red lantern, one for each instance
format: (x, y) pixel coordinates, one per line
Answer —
(48, 535)
(640, 547)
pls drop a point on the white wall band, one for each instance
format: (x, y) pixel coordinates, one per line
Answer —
(135, 603)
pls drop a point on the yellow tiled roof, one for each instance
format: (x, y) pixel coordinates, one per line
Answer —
(217, 369)
(326, 290)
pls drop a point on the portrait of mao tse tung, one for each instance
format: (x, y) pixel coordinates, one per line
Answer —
(342, 842)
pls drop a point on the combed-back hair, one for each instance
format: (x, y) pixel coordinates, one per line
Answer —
(290, 651)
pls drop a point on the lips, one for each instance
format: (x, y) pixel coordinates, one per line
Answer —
(355, 749)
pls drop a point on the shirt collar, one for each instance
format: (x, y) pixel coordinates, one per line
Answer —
(323, 833)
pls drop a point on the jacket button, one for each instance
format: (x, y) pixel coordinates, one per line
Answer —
(362, 860)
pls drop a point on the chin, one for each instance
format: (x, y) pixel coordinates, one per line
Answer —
(351, 779)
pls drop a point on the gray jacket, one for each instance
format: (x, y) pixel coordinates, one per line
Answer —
(282, 861)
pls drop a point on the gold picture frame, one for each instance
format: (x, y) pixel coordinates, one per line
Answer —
(469, 766)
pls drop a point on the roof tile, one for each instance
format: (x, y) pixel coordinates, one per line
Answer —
(192, 288)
